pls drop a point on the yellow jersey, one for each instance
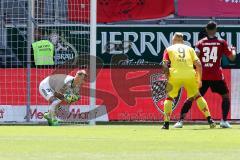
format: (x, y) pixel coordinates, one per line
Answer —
(181, 57)
(182, 73)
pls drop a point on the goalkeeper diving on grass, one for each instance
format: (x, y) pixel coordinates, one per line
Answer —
(58, 88)
(178, 65)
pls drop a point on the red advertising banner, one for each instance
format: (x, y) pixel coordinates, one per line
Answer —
(134, 96)
(121, 10)
(126, 93)
(209, 8)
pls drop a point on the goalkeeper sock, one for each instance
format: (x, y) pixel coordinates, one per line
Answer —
(225, 108)
(202, 105)
(186, 107)
(52, 108)
(167, 109)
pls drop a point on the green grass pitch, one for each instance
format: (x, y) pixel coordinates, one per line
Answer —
(118, 142)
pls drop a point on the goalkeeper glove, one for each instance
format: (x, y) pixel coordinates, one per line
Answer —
(69, 98)
(75, 98)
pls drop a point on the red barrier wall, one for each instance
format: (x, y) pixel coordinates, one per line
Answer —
(125, 92)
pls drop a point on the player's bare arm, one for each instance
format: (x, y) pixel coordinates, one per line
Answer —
(197, 51)
(166, 63)
(165, 67)
(232, 56)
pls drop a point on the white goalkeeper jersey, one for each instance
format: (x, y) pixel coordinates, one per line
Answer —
(62, 83)
(69, 88)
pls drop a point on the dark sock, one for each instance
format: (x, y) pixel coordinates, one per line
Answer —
(209, 119)
(225, 108)
(186, 107)
(166, 124)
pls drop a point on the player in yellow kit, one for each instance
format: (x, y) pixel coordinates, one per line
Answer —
(181, 73)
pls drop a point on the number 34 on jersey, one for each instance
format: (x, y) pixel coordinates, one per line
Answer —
(209, 56)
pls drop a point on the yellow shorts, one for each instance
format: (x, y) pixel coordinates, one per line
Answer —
(189, 82)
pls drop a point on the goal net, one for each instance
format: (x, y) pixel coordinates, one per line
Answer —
(70, 25)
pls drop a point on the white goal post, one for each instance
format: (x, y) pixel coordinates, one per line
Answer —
(93, 48)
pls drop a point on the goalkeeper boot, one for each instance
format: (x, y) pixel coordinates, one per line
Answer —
(165, 125)
(47, 117)
(179, 124)
(55, 122)
(225, 124)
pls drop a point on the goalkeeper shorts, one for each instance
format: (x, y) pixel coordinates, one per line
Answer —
(45, 90)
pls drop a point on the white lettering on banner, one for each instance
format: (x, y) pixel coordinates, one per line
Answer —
(126, 36)
(145, 44)
(238, 42)
(103, 42)
(146, 40)
(129, 62)
(195, 38)
(17, 113)
(113, 36)
(153, 42)
(65, 56)
(229, 38)
(162, 39)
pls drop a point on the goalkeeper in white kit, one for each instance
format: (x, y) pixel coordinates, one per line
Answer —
(57, 88)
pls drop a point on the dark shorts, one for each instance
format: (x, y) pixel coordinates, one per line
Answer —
(217, 86)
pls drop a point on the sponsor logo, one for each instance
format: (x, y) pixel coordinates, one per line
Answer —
(62, 112)
(74, 114)
(132, 62)
(150, 42)
(140, 42)
(35, 114)
(64, 51)
(67, 113)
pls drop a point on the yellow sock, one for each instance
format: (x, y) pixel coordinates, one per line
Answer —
(167, 110)
(203, 106)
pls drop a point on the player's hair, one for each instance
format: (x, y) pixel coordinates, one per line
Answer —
(178, 35)
(81, 72)
(211, 25)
